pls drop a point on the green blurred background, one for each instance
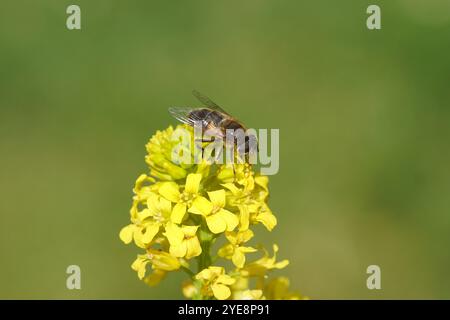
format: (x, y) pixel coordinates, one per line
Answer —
(364, 124)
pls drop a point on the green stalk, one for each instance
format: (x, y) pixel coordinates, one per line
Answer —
(206, 239)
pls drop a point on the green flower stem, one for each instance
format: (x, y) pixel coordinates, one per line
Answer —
(188, 271)
(206, 239)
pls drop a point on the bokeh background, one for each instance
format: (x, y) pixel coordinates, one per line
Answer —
(364, 119)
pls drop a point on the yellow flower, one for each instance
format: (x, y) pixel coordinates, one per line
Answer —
(183, 241)
(160, 261)
(183, 200)
(278, 289)
(146, 223)
(235, 249)
(225, 173)
(265, 216)
(244, 175)
(239, 173)
(259, 267)
(252, 204)
(141, 188)
(215, 282)
(159, 156)
(217, 218)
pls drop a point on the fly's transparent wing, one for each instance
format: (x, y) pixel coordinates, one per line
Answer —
(208, 102)
(185, 115)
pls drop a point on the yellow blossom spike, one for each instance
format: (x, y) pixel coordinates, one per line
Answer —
(179, 210)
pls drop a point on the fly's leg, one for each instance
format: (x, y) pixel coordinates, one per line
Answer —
(202, 140)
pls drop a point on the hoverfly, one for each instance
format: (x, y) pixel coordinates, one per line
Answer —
(214, 118)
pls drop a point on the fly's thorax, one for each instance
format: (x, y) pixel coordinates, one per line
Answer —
(200, 115)
(209, 118)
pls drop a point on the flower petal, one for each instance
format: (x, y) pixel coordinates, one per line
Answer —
(216, 223)
(178, 213)
(174, 234)
(281, 264)
(226, 251)
(126, 234)
(231, 219)
(165, 205)
(150, 232)
(142, 269)
(153, 202)
(193, 248)
(144, 214)
(189, 231)
(137, 263)
(232, 187)
(169, 190)
(205, 274)
(244, 218)
(163, 260)
(244, 236)
(225, 279)
(220, 291)
(193, 182)
(217, 198)
(262, 181)
(201, 206)
(267, 219)
(247, 249)
(238, 258)
(178, 250)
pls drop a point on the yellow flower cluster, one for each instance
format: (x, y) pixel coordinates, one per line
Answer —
(179, 211)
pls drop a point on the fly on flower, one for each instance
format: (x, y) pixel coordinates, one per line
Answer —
(218, 126)
(179, 211)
